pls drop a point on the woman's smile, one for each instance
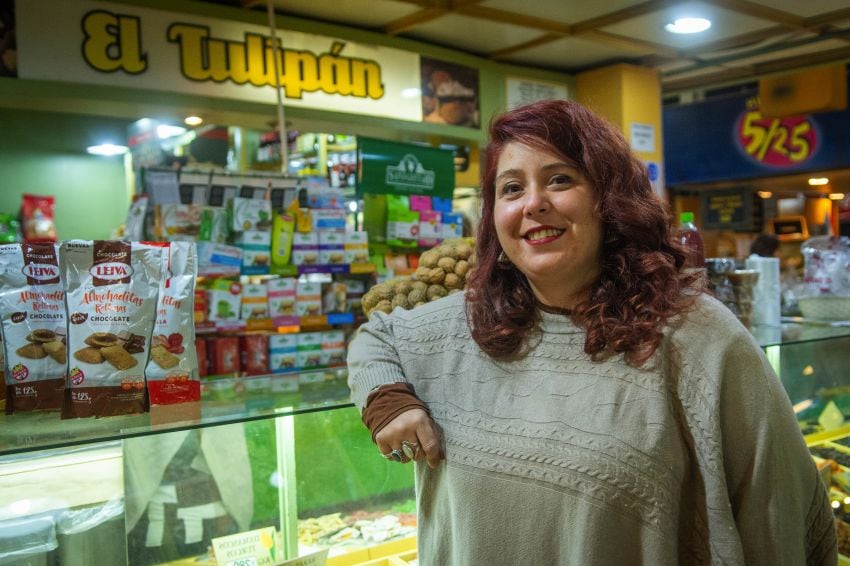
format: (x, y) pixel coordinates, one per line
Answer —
(546, 222)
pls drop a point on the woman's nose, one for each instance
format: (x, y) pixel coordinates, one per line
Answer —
(537, 203)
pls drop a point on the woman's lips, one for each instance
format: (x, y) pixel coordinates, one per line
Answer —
(542, 235)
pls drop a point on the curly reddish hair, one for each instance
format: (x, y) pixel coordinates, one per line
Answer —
(641, 284)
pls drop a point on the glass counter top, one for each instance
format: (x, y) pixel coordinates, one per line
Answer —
(794, 330)
(242, 399)
(223, 401)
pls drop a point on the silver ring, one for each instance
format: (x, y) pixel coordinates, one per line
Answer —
(409, 449)
(393, 455)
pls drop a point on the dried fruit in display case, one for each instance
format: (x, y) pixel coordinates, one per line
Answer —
(443, 270)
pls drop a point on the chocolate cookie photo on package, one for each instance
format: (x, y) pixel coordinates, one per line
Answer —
(32, 309)
(172, 370)
(112, 288)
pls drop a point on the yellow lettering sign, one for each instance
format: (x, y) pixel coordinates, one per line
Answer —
(205, 58)
(113, 42)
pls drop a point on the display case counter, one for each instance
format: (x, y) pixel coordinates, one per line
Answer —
(282, 451)
(289, 452)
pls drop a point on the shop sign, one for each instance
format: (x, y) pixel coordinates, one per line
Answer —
(728, 138)
(404, 169)
(727, 210)
(776, 142)
(136, 47)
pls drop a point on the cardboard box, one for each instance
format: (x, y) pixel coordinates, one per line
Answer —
(331, 248)
(309, 350)
(305, 248)
(255, 354)
(282, 352)
(308, 299)
(255, 301)
(224, 300)
(281, 294)
(356, 247)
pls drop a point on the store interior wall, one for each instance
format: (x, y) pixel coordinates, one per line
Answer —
(45, 153)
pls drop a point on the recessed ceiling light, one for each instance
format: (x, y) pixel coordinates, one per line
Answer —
(765, 194)
(836, 196)
(817, 181)
(107, 149)
(688, 25)
(193, 121)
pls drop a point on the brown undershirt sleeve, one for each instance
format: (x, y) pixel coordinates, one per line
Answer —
(386, 403)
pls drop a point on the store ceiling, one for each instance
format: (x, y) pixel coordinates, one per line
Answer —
(748, 38)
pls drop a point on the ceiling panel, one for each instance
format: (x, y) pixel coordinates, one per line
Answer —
(564, 11)
(800, 51)
(573, 52)
(805, 8)
(744, 32)
(361, 13)
(725, 24)
(470, 34)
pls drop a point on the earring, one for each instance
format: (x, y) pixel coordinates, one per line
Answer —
(503, 261)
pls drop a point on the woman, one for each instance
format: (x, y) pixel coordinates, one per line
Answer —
(583, 402)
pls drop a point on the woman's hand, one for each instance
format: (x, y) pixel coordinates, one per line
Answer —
(413, 433)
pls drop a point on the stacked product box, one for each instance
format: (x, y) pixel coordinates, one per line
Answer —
(281, 296)
(283, 350)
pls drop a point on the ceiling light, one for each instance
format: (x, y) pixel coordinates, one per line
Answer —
(165, 131)
(412, 92)
(765, 194)
(836, 196)
(193, 121)
(688, 25)
(107, 149)
(817, 181)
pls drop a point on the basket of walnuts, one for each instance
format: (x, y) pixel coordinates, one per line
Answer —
(442, 270)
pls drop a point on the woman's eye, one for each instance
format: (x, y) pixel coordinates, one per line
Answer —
(560, 180)
(510, 188)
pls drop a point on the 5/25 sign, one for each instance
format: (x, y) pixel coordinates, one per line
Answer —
(778, 142)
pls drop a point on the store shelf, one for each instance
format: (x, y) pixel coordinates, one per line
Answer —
(233, 400)
(337, 269)
(282, 324)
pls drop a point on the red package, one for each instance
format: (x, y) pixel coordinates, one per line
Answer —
(37, 218)
(255, 354)
(203, 362)
(225, 355)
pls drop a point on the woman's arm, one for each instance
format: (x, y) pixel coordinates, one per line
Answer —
(393, 414)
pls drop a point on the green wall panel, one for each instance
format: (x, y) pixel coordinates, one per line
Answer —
(44, 153)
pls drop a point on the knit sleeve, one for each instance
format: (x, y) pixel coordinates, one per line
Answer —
(779, 503)
(373, 359)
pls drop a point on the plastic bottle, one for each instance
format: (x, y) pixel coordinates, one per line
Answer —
(688, 235)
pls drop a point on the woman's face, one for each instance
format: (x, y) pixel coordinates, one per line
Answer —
(546, 222)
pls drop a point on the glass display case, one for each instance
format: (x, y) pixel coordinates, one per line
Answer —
(157, 488)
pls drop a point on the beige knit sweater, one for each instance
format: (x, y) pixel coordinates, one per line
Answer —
(556, 459)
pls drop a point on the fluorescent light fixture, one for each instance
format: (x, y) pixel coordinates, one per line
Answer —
(193, 121)
(688, 25)
(817, 181)
(836, 196)
(412, 92)
(107, 149)
(765, 194)
(165, 131)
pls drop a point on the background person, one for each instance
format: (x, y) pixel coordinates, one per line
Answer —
(584, 402)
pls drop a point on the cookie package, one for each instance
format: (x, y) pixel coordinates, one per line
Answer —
(32, 308)
(112, 288)
(172, 371)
